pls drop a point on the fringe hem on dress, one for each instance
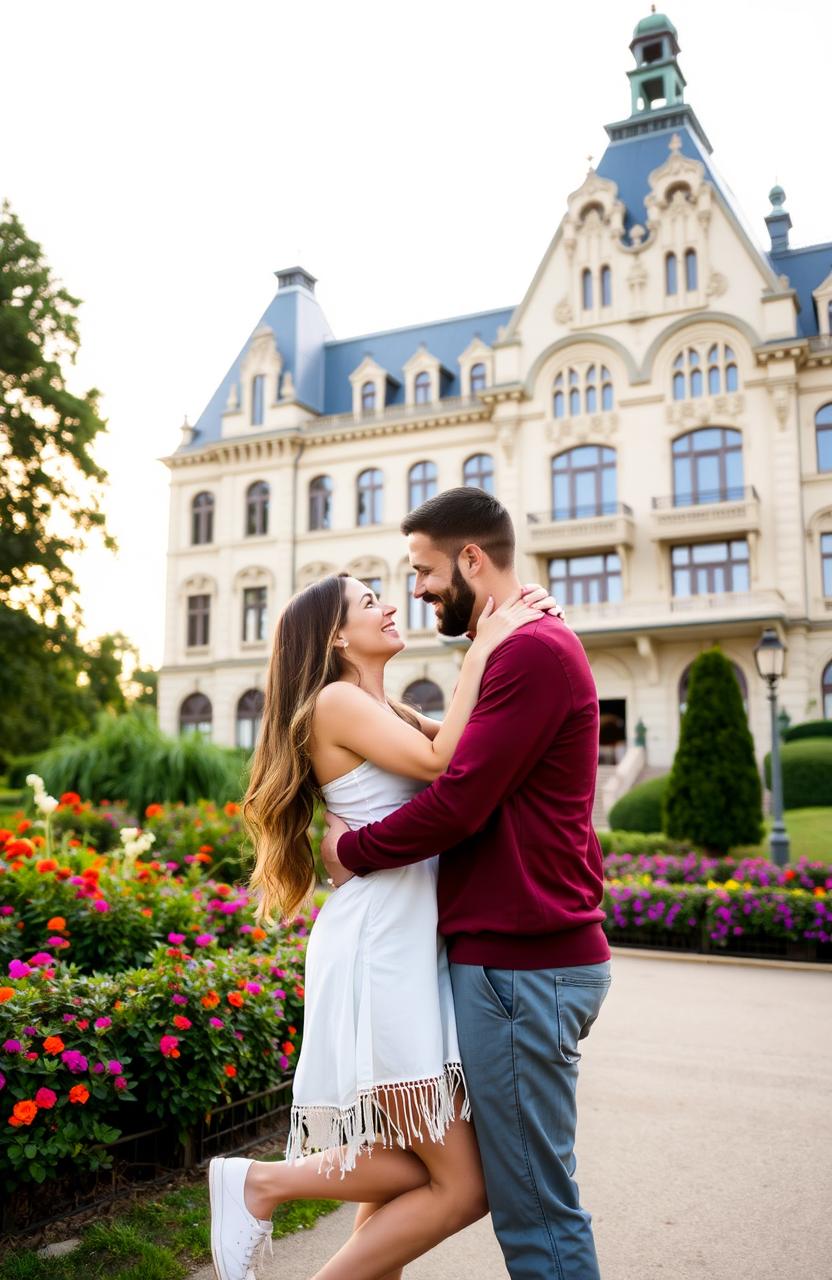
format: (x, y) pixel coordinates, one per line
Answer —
(387, 1113)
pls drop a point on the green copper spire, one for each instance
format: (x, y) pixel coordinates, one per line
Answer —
(656, 81)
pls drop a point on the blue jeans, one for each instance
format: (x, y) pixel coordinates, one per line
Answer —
(518, 1033)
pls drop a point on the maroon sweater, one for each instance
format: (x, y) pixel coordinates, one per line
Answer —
(521, 873)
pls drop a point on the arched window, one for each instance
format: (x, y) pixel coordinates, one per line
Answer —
(421, 387)
(202, 519)
(584, 483)
(195, 715)
(823, 435)
(258, 395)
(826, 691)
(691, 272)
(707, 467)
(426, 697)
(590, 390)
(477, 378)
(684, 683)
(606, 389)
(422, 483)
(671, 280)
(586, 289)
(826, 564)
(606, 287)
(257, 508)
(249, 715)
(559, 404)
(688, 379)
(368, 397)
(714, 372)
(369, 492)
(574, 394)
(320, 503)
(478, 472)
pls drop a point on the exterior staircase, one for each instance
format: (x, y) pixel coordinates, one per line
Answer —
(599, 813)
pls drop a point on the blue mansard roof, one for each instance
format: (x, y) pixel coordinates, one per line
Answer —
(321, 365)
(806, 269)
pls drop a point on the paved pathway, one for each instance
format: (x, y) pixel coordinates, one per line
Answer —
(705, 1139)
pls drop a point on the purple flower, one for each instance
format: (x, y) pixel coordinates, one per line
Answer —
(254, 988)
(216, 1022)
(41, 959)
(115, 1068)
(12, 1046)
(69, 1017)
(176, 938)
(74, 1061)
(6, 911)
(101, 905)
(101, 1024)
(30, 1031)
(172, 866)
(177, 999)
(19, 969)
(98, 1068)
(204, 939)
(2, 1080)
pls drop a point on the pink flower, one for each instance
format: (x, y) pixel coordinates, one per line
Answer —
(12, 1046)
(284, 1061)
(169, 1046)
(176, 938)
(2, 1080)
(120, 1082)
(254, 988)
(69, 1017)
(41, 959)
(101, 905)
(6, 911)
(204, 939)
(98, 1068)
(101, 1024)
(46, 1098)
(57, 942)
(74, 1061)
(216, 1022)
(30, 1056)
(18, 969)
(177, 999)
(115, 1068)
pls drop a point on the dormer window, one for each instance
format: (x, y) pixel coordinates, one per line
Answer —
(421, 388)
(258, 395)
(478, 377)
(368, 397)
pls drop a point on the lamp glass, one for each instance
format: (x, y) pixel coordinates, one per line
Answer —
(770, 655)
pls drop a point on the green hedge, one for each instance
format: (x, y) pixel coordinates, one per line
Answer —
(640, 809)
(809, 729)
(807, 773)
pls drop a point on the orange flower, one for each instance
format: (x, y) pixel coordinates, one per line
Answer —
(46, 864)
(19, 849)
(24, 1112)
(230, 1070)
(206, 848)
(79, 1093)
(293, 1031)
(147, 911)
(5, 835)
(38, 841)
(75, 844)
(6, 993)
(23, 826)
(70, 797)
(53, 1044)
(57, 924)
(153, 810)
(231, 809)
(288, 1047)
(236, 999)
(258, 934)
(202, 857)
(119, 1004)
(820, 893)
(210, 1001)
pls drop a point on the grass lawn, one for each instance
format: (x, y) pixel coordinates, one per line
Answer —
(161, 1238)
(810, 833)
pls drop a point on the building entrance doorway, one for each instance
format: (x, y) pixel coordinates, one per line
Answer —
(612, 738)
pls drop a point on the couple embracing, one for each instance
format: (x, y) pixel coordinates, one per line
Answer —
(460, 959)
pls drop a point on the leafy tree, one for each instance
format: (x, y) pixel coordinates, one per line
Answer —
(50, 484)
(714, 795)
(39, 696)
(147, 681)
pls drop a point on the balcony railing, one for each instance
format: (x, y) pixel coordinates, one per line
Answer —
(707, 497)
(823, 342)
(443, 407)
(586, 512)
(725, 606)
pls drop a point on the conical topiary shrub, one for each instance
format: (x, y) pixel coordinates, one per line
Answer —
(714, 796)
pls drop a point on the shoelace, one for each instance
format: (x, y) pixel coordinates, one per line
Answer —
(259, 1249)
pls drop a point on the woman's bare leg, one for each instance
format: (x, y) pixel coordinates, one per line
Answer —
(416, 1220)
(366, 1211)
(378, 1176)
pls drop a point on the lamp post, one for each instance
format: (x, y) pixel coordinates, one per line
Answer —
(770, 657)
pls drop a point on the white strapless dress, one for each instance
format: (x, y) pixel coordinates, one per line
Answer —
(379, 1058)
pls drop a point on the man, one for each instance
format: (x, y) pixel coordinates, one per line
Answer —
(520, 884)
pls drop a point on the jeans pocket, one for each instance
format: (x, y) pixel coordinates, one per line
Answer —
(578, 1003)
(500, 984)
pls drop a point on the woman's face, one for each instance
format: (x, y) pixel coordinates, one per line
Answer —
(369, 627)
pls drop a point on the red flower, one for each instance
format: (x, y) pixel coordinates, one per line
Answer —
(6, 993)
(206, 848)
(236, 999)
(46, 1099)
(23, 826)
(54, 1044)
(79, 1093)
(231, 809)
(46, 864)
(57, 924)
(183, 1024)
(288, 1047)
(208, 1002)
(153, 810)
(230, 1070)
(70, 797)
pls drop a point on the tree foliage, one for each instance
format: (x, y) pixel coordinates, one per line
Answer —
(50, 484)
(714, 795)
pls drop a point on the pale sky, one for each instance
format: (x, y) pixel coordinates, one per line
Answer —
(415, 158)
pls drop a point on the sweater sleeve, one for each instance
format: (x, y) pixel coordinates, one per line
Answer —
(524, 699)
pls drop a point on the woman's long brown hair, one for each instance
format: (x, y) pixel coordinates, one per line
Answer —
(282, 792)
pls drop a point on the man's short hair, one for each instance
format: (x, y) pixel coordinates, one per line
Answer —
(457, 517)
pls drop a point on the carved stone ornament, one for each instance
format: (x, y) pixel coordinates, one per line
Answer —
(678, 183)
(287, 386)
(717, 284)
(506, 439)
(563, 311)
(780, 396)
(593, 209)
(232, 404)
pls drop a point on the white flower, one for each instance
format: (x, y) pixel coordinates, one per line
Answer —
(46, 804)
(128, 833)
(33, 781)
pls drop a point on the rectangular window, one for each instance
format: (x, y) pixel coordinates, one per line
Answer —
(420, 616)
(258, 385)
(824, 439)
(580, 580)
(826, 562)
(254, 614)
(199, 613)
(710, 568)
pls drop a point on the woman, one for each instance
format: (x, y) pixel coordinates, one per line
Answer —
(379, 1069)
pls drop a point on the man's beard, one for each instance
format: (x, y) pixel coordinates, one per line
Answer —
(457, 606)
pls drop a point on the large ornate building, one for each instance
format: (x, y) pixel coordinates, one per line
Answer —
(656, 413)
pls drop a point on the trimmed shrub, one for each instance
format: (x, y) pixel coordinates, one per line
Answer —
(714, 797)
(807, 773)
(640, 808)
(809, 729)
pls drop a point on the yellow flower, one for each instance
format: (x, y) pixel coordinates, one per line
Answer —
(732, 884)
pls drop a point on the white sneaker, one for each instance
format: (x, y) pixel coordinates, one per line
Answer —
(235, 1233)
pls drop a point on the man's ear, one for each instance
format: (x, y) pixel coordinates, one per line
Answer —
(471, 559)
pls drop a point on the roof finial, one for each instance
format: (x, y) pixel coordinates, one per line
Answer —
(589, 162)
(675, 144)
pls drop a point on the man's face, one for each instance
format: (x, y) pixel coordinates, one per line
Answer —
(440, 583)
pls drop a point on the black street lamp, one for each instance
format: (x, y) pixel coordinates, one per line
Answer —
(770, 656)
